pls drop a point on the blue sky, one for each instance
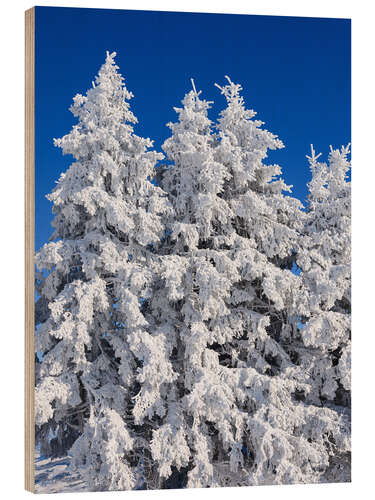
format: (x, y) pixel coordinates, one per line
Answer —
(295, 73)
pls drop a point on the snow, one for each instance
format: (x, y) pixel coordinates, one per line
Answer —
(52, 475)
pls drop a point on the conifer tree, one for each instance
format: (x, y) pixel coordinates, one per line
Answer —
(94, 280)
(324, 349)
(268, 225)
(196, 276)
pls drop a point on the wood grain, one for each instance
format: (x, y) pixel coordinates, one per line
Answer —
(29, 245)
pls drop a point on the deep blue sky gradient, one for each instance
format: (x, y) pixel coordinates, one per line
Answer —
(295, 73)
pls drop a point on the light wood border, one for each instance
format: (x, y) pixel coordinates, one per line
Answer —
(29, 245)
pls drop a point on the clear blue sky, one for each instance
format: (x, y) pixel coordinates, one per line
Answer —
(295, 73)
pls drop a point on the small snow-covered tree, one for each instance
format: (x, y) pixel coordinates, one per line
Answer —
(324, 257)
(94, 281)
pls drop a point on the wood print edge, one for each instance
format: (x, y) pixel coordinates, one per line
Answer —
(29, 246)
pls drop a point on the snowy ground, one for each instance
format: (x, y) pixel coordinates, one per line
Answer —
(52, 476)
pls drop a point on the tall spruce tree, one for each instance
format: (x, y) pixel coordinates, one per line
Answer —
(324, 348)
(94, 282)
(196, 280)
(289, 438)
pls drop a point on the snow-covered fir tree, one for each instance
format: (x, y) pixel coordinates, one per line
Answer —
(324, 257)
(196, 279)
(268, 226)
(94, 280)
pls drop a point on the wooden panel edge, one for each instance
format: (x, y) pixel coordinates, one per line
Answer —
(29, 246)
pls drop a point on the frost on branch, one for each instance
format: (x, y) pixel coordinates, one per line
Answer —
(100, 453)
